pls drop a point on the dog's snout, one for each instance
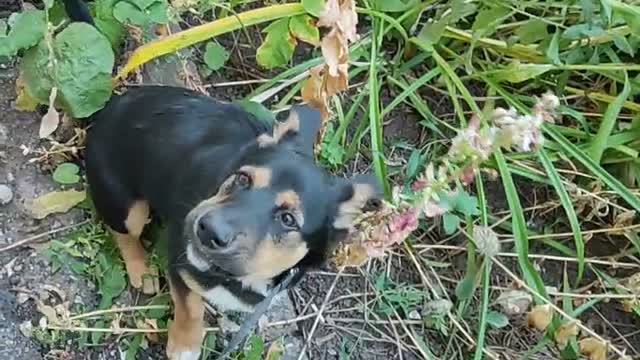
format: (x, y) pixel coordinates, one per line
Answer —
(214, 232)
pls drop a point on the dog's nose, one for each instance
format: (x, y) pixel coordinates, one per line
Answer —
(213, 232)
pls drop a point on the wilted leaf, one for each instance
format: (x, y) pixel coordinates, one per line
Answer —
(540, 317)
(278, 45)
(437, 307)
(564, 333)
(593, 348)
(24, 101)
(66, 173)
(349, 255)
(517, 73)
(624, 219)
(340, 15)
(303, 29)
(532, 31)
(51, 119)
(27, 28)
(84, 61)
(514, 302)
(275, 351)
(215, 56)
(497, 320)
(486, 240)
(56, 202)
(149, 324)
(314, 90)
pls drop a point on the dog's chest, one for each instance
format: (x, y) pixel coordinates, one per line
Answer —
(234, 299)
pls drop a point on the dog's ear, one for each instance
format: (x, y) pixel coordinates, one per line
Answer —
(299, 129)
(353, 197)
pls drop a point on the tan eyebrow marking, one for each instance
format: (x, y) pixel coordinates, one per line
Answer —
(260, 176)
(290, 200)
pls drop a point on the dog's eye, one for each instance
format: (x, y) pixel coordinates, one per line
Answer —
(288, 220)
(242, 180)
(372, 205)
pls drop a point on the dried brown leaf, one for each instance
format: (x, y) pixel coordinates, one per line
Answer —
(514, 302)
(540, 317)
(334, 51)
(149, 324)
(593, 348)
(564, 333)
(51, 119)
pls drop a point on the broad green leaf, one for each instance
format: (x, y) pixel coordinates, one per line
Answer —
(107, 23)
(313, 7)
(66, 173)
(55, 202)
(278, 45)
(27, 29)
(465, 288)
(393, 5)
(432, 31)
(128, 13)
(450, 223)
(134, 347)
(465, 203)
(157, 13)
(622, 44)
(215, 56)
(553, 50)
(84, 61)
(461, 9)
(533, 31)
(488, 19)
(517, 73)
(144, 4)
(609, 119)
(111, 283)
(497, 320)
(580, 31)
(303, 29)
(256, 348)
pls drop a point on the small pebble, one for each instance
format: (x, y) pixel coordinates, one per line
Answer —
(6, 195)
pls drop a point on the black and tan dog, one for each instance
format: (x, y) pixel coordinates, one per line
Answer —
(243, 201)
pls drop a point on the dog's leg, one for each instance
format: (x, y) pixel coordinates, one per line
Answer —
(133, 254)
(187, 329)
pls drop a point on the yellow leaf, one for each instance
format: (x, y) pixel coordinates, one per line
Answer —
(275, 351)
(24, 101)
(540, 316)
(180, 40)
(593, 348)
(56, 202)
(564, 333)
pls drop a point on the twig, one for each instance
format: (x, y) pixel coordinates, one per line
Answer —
(118, 310)
(579, 324)
(317, 320)
(40, 236)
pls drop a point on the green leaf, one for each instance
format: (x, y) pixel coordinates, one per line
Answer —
(450, 222)
(488, 19)
(143, 4)
(258, 110)
(127, 13)
(215, 56)
(599, 142)
(66, 173)
(553, 50)
(461, 9)
(497, 320)
(465, 203)
(158, 13)
(84, 61)
(107, 23)
(630, 13)
(622, 44)
(432, 31)
(256, 348)
(313, 7)
(27, 29)
(517, 73)
(532, 31)
(278, 46)
(392, 5)
(134, 346)
(413, 164)
(580, 31)
(111, 282)
(303, 29)
(466, 287)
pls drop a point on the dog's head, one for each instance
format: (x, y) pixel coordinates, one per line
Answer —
(276, 209)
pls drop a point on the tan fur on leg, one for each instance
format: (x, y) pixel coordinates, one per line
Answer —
(187, 329)
(133, 254)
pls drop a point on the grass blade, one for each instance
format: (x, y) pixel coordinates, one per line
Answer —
(599, 143)
(554, 177)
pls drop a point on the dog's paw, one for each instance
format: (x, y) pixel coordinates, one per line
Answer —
(141, 277)
(184, 354)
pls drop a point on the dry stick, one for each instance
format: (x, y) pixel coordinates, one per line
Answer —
(117, 331)
(424, 278)
(533, 256)
(579, 324)
(317, 320)
(570, 234)
(39, 236)
(118, 310)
